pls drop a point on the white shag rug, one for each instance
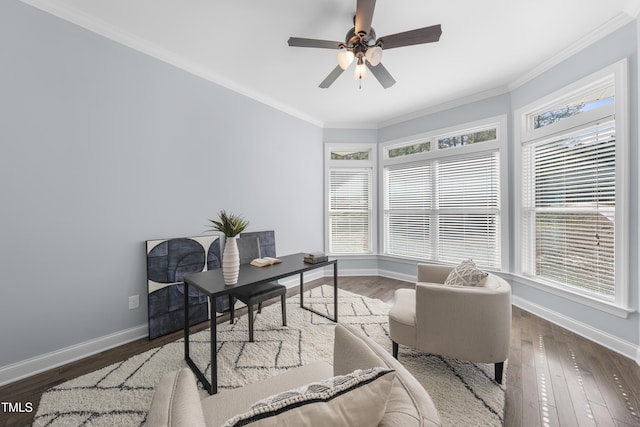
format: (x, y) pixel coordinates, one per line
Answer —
(119, 395)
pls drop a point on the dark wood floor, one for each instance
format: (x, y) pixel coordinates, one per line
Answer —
(554, 377)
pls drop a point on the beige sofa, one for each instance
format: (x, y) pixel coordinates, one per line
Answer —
(464, 322)
(176, 401)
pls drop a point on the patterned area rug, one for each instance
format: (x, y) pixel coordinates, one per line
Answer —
(120, 394)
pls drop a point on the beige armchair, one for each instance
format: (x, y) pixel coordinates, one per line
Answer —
(463, 322)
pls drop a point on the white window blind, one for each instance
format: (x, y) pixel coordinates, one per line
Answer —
(569, 197)
(350, 209)
(444, 209)
(468, 203)
(408, 200)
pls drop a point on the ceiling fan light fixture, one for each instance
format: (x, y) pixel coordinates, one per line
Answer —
(345, 58)
(374, 55)
(361, 70)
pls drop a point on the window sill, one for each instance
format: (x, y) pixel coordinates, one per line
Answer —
(607, 307)
(400, 260)
(353, 256)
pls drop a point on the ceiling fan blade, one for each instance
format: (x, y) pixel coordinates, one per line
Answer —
(382, 75)
(408, 38)
(333, 75)
(324, 44)
(364, 15)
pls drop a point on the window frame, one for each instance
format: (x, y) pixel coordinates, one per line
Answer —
(525, 134)
(346, 165)
(499, 144)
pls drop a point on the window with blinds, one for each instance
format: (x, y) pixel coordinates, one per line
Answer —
(350, 197)
(574, 215)
(407, 207)
(468, 209)
(350, 211)
(444, 209)
(569, 206)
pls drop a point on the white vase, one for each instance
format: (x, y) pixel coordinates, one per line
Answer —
(230, 261)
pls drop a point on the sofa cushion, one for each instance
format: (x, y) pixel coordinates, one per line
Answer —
(466, 274)
(358, 398)
(176, 401)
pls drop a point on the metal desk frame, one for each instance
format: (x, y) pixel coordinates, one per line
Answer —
(211, 283)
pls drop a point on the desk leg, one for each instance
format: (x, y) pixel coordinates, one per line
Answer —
(214, 355)
(211, 387)
(301, 290)
(335, 297)
(185, 288)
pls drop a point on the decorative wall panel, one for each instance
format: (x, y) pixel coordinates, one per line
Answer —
(168, 261)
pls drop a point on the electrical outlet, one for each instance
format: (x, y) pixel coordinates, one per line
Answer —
(134, 302)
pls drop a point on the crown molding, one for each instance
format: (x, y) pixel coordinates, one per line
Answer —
(633, 8)
(125, 38)
(597, 34)
(350, 125)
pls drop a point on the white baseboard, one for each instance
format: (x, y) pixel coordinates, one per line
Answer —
(605, 339)
(45, 362)
(293, 281)
(358, 272)
(398, 276)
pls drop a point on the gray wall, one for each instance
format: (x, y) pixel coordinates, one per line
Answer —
(102, 148)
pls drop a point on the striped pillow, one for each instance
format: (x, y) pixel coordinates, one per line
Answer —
(359, 398)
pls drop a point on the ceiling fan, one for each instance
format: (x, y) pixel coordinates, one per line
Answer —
(362, 45)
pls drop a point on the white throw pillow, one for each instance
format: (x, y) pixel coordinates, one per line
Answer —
(466, 274)
(359, 398)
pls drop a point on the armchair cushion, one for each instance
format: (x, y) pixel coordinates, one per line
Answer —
(466, 274)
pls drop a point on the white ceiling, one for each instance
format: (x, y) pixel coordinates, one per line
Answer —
(486, 47)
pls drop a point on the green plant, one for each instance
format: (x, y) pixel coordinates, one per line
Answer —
(230, 224)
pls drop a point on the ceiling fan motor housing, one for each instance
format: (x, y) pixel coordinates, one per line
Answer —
(359, 44)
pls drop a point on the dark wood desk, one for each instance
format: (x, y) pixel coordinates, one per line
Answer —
(212, 284)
